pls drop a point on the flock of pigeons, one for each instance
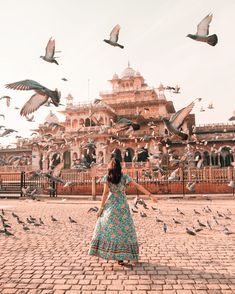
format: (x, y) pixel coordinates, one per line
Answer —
(30, 221)
(212, 219)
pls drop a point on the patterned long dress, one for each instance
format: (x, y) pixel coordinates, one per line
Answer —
(114, 235)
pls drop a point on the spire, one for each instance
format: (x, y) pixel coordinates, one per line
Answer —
(128, 63)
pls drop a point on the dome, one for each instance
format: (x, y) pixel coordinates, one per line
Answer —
(115, 76)
(137, 74)
(51, 118)
(128, 72)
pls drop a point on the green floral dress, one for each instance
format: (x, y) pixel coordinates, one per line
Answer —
(114, 235)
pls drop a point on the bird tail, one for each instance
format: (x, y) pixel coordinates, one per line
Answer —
(212, 40)
(120, 46)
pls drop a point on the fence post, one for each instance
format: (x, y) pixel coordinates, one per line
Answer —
(22, 182)
(93, 187)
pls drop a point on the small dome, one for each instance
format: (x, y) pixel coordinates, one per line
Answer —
(128, 72)
(137, 73)
(51, 118)
(115, 76)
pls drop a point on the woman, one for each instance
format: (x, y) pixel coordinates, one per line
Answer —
(114, 236)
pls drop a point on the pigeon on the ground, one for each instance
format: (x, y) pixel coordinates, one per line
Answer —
(165, 227)
(190, 232)
(53, 219)
(95, 209)
(72, 221)
(50, 52)
(196, 212)
(201, 224)
(202, 34)
(176, 221)
(41, 96)
(134, 211)
(114, 37)
(143, 214)
(179, 211)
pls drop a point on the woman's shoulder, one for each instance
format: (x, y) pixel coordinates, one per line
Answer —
(127, 178)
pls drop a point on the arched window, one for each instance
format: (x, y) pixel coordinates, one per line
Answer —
(75, 123)
(214, 158)
(129, 154)
(55, 160)
(75, 156)
(67, 159)
(81, 122)
(117, 154)
(142, 154)
(206, 158)
(87, 122)
(226, 157)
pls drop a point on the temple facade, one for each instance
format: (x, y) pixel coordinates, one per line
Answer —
(89, 132)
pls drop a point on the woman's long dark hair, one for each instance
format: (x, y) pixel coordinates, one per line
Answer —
(114, 171)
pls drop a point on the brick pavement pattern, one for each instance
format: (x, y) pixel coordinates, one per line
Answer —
(53, 258)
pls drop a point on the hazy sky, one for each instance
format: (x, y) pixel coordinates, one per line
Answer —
(153, 33)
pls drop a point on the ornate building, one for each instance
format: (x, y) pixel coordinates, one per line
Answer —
(89, 132)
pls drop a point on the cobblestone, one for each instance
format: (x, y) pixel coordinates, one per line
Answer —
(53, 259)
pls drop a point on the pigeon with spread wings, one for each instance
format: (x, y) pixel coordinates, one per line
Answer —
(114, 37)
(176, 121)
(50, 52)
(202, 34)
(38, 99)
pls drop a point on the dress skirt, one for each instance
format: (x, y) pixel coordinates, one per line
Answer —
(114, 236)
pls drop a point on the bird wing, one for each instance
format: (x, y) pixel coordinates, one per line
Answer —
(56, 171)
(178, 118)
(203, 26)
(25, 85)
(50, 49)
(8, 100)
(114, 33)
(33, 104)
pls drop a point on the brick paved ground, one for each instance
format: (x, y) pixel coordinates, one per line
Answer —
(53, 258)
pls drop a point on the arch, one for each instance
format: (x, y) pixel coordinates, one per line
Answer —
(214, 158)
(117, 154)
(101, 157)
(142, 154)
(129, 154)
(87, 122)
(75, 156)
(225, 156)
(55, 159)
(75, 123)
(67, 159)
(206, 158)
(81, 122)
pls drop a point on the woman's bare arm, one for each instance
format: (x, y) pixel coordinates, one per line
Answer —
(142, 189)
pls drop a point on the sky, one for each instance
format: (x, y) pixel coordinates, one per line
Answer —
(153, 33)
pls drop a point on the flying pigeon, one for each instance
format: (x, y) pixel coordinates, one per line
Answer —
(38, 99)
(50, 51)
(202, 34)
(176, 121)
(114, 37)
(8, 100)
